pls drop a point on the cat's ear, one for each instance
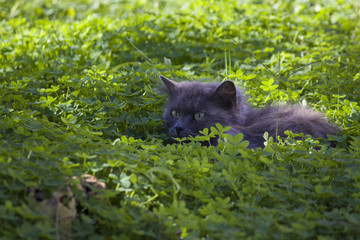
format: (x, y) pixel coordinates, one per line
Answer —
(171, 86)
(225, 95)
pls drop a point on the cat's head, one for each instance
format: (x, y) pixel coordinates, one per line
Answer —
(193, 106)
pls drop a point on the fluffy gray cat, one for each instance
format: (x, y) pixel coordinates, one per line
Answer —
(193, 106)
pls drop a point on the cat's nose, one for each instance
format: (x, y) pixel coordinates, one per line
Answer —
(179, 130)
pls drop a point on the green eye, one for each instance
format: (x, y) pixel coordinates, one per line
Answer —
(174, 114)
(199, 115)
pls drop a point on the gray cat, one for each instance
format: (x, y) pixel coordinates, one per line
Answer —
(193, 106)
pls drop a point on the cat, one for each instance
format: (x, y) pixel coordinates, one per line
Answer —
(193, 106)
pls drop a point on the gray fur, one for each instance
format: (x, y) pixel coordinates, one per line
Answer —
(225, 103)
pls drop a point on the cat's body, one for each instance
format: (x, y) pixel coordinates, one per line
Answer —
(193, 106)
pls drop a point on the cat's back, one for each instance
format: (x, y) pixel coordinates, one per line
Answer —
(298, 119)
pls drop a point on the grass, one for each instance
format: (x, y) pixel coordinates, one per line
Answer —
(79, 87)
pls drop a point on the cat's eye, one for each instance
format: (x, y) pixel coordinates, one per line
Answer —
(199, 115)
(174, 114)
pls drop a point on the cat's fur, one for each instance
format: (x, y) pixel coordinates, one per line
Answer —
(225, 103)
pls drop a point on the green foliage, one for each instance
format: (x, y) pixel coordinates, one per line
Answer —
(79, 93)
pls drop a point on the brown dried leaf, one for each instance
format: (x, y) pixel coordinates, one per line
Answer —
(61, 210)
